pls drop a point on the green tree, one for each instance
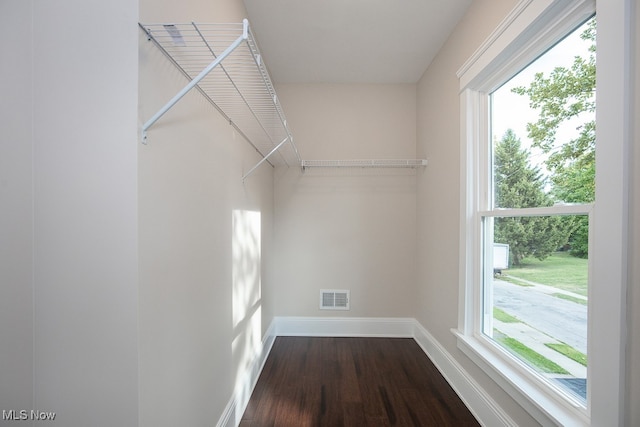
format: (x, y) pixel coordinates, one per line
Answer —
(520, 185)
(567, 95)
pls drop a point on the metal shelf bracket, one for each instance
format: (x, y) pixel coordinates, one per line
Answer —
(196, 80)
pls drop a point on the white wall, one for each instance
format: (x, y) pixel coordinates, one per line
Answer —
(85, 210)
(633, 302)
(205, 241)
(70, 182)
(16, 210)
(439, 189)
(347, 229)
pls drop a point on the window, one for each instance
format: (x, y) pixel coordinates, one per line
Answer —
(528, 197)
(539, 189)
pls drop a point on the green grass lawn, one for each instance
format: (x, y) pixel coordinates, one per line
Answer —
(514, 280)
(533, 357)
(502, 316)
(571, 298)
(560, 270)
(570, 352)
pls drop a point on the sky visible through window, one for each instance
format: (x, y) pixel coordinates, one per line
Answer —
(512, 111)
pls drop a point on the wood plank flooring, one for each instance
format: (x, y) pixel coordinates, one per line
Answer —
(352, 382)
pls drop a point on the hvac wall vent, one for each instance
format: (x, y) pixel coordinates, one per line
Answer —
(334, 299)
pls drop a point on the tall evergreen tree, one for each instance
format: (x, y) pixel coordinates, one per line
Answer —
(520, 185)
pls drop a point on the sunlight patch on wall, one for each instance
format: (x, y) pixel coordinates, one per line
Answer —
(247, 305)
(246, 263)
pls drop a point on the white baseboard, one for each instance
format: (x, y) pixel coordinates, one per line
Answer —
(236, 406)
(228, 418)
(344, 326)
(481, 405)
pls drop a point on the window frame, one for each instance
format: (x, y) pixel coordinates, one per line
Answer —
(527, 32)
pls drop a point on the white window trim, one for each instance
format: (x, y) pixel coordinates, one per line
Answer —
(525, 33)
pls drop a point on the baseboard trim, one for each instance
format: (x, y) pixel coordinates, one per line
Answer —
(483, 407)
(344, 326)
(236, 406)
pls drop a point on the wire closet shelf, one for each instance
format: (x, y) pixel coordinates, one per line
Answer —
(223, 63)
(365, 163)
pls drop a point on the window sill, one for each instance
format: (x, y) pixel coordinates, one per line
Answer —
(541, 401)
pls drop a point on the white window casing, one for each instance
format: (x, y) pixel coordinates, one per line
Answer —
(527, 32)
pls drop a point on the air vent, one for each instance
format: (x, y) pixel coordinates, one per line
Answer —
(334, 299)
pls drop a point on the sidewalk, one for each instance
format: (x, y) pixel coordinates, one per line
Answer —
(536, 341)
(549, 289)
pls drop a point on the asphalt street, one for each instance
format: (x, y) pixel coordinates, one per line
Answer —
(561, 319)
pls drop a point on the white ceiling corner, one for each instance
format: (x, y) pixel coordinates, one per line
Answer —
(351, 41)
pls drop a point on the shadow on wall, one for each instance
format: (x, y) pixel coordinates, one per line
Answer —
(247, 303)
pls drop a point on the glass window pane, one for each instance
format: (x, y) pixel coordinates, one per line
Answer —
(543, 127)
(535, 295)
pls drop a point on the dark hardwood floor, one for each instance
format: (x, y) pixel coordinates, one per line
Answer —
(352, 382)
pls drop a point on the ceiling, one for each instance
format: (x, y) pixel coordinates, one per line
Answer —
(351, 41)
